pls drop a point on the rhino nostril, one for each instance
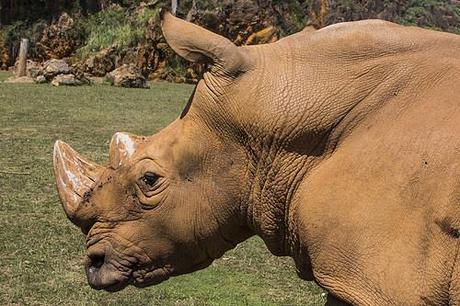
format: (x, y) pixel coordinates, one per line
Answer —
(96, 262)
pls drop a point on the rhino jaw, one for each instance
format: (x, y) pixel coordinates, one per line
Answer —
(75, 177)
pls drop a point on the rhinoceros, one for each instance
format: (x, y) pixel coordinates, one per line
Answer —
(338, 147)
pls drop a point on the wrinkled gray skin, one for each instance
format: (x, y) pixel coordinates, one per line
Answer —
(339, 147)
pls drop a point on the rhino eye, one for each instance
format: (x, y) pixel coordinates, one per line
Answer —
(150, 178)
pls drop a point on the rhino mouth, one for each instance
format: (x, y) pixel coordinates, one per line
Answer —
(111, 270)
(105, 275)
(138, 278)
(109, 274)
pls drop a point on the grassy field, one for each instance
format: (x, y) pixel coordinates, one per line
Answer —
(41, 253)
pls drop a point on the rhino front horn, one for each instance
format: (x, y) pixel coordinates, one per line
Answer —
(75, 178)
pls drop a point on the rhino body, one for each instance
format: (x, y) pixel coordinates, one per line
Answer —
(339, 147)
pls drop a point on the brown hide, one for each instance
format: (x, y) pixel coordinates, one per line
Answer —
(339, 147)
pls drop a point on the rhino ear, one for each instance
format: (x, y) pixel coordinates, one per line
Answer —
(122, 147)
(199, 45)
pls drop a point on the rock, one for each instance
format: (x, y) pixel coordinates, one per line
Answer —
(40, 79)
(59, 39)
(127, 76)
(103, 62)
(5, 54)
(67, 80)
(131, 57)
(54, 67)
(65, 22)
(34, 72)
(179, 79)
(58, 73)
(159, 72)
(97, 80)
(263, 36)
(4, 58)
(191, 76)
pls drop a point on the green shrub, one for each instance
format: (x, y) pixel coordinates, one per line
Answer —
(113, 27)
(435, 14)
(13, 33)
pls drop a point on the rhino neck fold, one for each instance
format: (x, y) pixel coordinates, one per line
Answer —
(274, 176)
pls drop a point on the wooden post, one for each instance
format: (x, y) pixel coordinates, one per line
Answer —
(174, 7)
(22, 58)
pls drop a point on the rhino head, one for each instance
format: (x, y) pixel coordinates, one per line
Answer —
(170, 203)
(226, 169)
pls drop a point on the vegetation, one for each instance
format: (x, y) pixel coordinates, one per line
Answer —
(132, 25)
(436, 14)
(41, 254)
(111, 27)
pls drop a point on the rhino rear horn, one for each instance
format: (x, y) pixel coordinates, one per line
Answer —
(122, 148)
(75, 178)
(199, 45)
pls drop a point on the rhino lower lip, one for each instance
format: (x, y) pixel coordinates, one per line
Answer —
(105, 279)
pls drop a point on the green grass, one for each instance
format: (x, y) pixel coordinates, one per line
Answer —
(41, 253)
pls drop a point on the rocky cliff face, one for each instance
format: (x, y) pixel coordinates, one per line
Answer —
(437, 14)
(75, 29)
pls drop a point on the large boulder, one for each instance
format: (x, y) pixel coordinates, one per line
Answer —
(59, 39)
(127, 76)
(55, 67)
(103, 62)
(68, 80)
(58, 72)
